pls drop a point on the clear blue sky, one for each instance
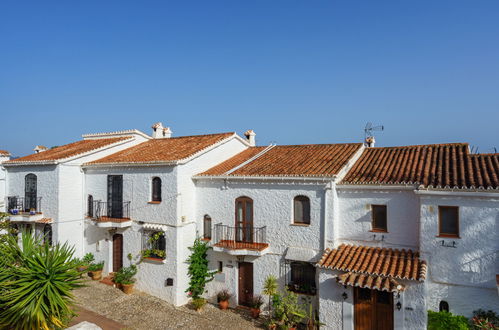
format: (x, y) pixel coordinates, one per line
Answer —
(294, 71)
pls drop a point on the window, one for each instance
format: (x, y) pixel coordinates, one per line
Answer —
(448, 221)
(302, 278)
(301, 208)
(90, 206)
(154, 245)
(220, 266)
(47, 234)
(207, 227)
(443, 306)
(379, 222)
(156, 189)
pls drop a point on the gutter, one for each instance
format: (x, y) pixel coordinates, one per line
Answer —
(259, 177)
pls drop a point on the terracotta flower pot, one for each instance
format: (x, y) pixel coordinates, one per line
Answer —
(223, 304)
(127, 288)
(255, 312)
(96, 275)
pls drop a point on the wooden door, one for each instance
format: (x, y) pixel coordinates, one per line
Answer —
(30, 192)
(115, 196)
(373, 310)
(117, 252)
(245, 283)
(244, 219)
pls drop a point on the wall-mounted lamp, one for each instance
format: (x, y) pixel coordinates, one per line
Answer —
(345, 296)
(398, 305)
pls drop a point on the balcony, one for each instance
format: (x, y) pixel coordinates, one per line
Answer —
(24, 209)
(111, 215)
(240, 240)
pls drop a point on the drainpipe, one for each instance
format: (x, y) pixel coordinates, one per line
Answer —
(329, 194)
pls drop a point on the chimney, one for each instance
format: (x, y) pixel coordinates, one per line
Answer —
(39, 149)
(167, 133)
(370, 141)
(160, 132)
(250, 135)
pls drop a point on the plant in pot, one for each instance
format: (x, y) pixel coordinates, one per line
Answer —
(95, 270)
(223, 298)
(32, 211)
(125, 278)
(287, 311)
(255, 303)
(85, 262)
(198, 303)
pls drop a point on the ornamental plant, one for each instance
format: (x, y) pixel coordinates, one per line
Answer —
(94, 267)
(446, 321)
(223, 295)
(36, 283)
(198, 271)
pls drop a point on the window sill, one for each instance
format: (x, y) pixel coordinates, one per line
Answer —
(155, 260)
(154, 202)
(448, 236)
(300, 224)
(378, 231)
(206, 239)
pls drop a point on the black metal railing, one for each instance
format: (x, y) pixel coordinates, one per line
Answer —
(240, 237)
(115, 210)
(16, 204)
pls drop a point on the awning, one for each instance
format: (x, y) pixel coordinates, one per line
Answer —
(301, 254)
(370, 282)
(154, 226)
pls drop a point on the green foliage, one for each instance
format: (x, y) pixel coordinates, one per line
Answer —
(223, 295)
(198, 303)
(96, 266)
(6, 228)
(446, 321)
(36, 283)
(270, 289)
(198, 271)
(484, 320)
(287, 311)
(256, 301)
(153, 253)
(126, 275)
(88, 259)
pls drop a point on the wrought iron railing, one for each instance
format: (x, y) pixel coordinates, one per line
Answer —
(115, 210)
(16, 204)
(240, 237)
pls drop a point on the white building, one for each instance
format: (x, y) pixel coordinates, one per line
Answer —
(371, 236)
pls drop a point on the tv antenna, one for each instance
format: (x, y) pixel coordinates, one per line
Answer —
(369, 133)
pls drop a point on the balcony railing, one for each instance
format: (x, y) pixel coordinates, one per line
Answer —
(114, 211)
(238, 238)
(17, 204)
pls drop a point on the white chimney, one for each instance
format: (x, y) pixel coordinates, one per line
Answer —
(250, 135)
(160, 132)
(167, 132)
(39, 149)
(370, 141)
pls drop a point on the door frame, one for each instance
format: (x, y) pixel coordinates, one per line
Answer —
(245, 285)
(373, 309)
(115, 235)
(246, 225)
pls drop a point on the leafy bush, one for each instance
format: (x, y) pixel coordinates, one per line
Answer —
(223, 295)
(198, 269)
(154, 253)
(256, 301)
(446, 321)
(88, 258)
(489, 316)
(287, 311)
(125, 275)
(198, 303)
(36, 281)
(96, 266)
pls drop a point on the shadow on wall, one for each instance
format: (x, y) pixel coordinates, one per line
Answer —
(94, 234)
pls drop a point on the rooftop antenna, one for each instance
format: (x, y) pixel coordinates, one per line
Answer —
(369, 133)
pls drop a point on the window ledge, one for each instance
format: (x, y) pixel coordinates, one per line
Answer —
(154, 202)
(378, 231)
(155, 260)
(448, 236)
(206, 239)
(300, 224)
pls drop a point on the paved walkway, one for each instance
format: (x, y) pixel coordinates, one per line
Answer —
(104, 303)
(89, 316)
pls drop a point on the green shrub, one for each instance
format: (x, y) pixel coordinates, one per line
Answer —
(484, 319)
(446, 321)
(96, 266)
(88, 259)
(198, 271)
(125, 275)
(198, 303)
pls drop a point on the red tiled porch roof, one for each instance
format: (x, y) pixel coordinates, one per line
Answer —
(370, 282)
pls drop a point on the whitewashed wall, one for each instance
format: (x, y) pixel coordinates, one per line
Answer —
(3, 184)
(463, 276)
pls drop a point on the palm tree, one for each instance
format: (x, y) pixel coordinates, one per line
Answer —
(270, 289)
(36, 281)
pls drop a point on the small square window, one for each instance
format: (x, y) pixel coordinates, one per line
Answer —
(448, 221)
(379, 221)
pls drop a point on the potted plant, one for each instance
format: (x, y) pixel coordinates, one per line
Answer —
(255, 303)
(125, 278)
(270, 289)
(85, 262)
(287, 311)
(223, 298)
(14, 211)
(32, 211)
(95, 270)
(154, 254)
(198, 303)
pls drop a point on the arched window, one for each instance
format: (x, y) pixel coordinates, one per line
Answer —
(90, 206)
(207, 227)
(30, 192)
(47, 234)
(156, 189)
(301, 207)
(443, 306)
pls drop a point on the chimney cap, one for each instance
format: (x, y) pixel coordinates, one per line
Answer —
(157, 125)
(40, 148)
(249, 132)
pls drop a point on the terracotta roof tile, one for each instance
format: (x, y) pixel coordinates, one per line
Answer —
(292, 160)
(434, 165)
(164, 150)
(4, 153)
(370, 282)
(68, 150)
(402, 264)
(44, 220)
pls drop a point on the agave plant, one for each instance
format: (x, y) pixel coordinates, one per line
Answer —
(36, 281)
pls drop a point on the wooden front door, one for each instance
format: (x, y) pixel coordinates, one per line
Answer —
(245, 283)
(373, 309)
(115, 196)
(117, 252)
(30, 192)
(244, 219)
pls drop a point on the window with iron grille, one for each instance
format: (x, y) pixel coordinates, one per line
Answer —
(156, 189)
(301, 208)
(302, 279)
(153, 244)
(90, 206)
(379, 218)
(207, 227)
